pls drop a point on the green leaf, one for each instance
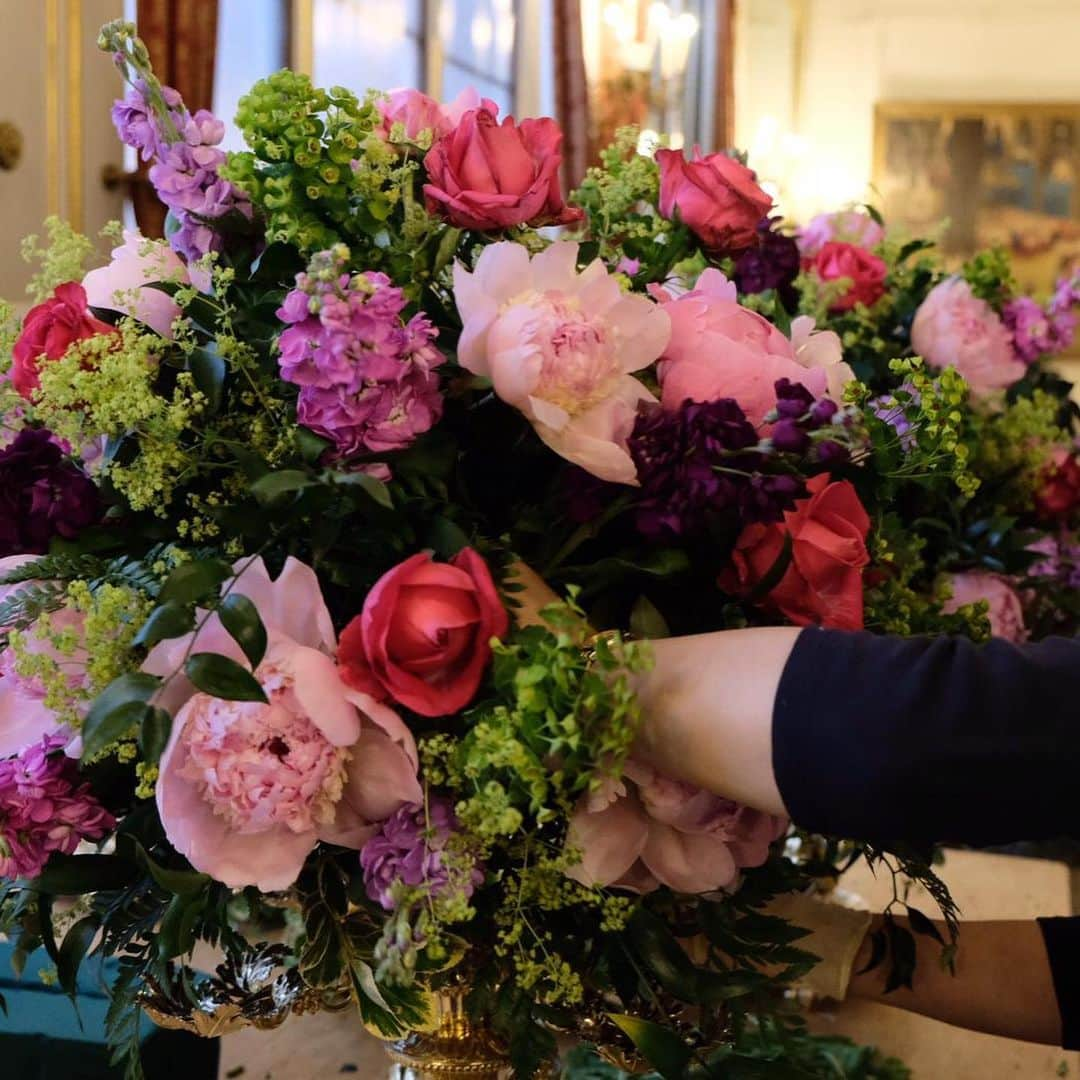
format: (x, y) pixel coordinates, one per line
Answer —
(223, 678)
(273, 485)
(448, 246)
(76, 944)
(168, 620)
(312, 446)
(207, 368)
(370, 484)
(176, 936)
(660, 1046)
(177, 882)
(646, 621)
(120, 706)
(194, 581)
(241, 619)
(71, 875)
(154, 734)
(922, 925)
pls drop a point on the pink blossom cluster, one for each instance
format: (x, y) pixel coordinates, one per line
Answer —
(44, 808)
(366, 376)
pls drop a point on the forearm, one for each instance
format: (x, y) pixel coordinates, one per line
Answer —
(1003, 983)
(707, 708)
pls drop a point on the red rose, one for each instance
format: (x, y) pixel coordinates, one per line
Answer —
(49, 330)
(486, 175)
(423, 636)
(1059, 491)
(716, 197)
(823, 583)
(867, 272)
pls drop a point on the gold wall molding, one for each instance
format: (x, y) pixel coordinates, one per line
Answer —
(74, 162)
(52, 106)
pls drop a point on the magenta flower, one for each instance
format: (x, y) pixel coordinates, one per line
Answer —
(367, 378)
(408, 848)
(1032, 329)
(44, 808)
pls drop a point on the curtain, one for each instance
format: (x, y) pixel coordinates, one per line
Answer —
(724, 115)
(181, 36)
(571, 90)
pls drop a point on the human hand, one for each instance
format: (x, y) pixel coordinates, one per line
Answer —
(536, 595)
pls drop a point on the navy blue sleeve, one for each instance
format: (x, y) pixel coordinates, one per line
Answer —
(1062, 938)
(927, 740)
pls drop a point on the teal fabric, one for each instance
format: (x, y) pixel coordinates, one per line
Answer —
(44, 1038)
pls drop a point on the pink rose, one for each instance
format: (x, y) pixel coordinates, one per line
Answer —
(1006, 610)
(417, 112)
(246, 789)
(424, 636)
(838, 261)
(849, 226)
(715, 196)
(954, 328)
(720, 349)
(823, 583)
(560, 346)
(648, 830)
(125, 284)
(24, 717)
(485, 175)
(49, 330)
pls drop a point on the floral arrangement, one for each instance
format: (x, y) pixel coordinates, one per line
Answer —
(266, 489)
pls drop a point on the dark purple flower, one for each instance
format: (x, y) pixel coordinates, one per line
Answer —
(771, 263)
(582, 496)
(408, 848)
(793, 400)
(42, 494)
(701, 461)
(790, 437)
(830, 452)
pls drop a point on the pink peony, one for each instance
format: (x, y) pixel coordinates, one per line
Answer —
(247, 789)
(954, 328)
(715, 196)
(24, 716)
(125, 284)
(719, 349)
(648, 830)
(847, 226)
(417, 112)
(1006, 610)
(485, 175)
(560, 346)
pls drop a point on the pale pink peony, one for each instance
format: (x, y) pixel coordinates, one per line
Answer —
(417, 112)
(954, 328)
(247, 789)
(719, 349)
(648, 830)
(560, 346)
(124, 285)
(24, 717)
(846, 226)
(1006, 610)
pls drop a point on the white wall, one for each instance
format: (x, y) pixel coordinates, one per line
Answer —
(815, 68)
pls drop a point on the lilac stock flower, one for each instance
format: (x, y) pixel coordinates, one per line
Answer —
(699, 461)
(44, 808)
(42, 494)
(771, 263)
(187, 165)
(367, 379)
(408, 848)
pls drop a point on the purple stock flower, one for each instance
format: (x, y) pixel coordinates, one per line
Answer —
(44, 808)
(187, 166)
(1031, 327)
(699, 461)
(771, 263)
(42, 494)
(367, 379)
(408, 848)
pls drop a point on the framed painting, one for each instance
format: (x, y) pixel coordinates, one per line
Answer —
(995, 174)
